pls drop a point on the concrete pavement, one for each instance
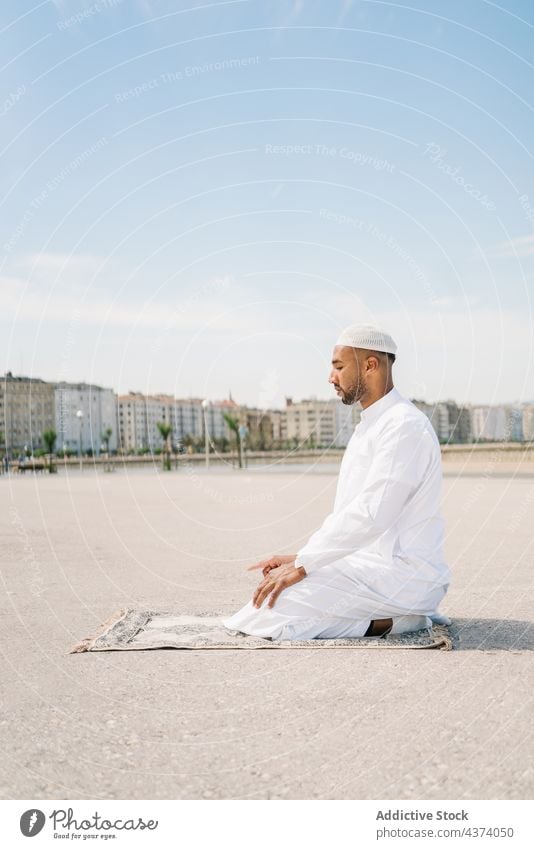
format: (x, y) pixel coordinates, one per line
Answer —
(256, 725)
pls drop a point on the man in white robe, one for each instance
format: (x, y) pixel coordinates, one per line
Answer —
(376, 564)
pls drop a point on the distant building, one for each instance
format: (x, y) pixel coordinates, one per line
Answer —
(187, 418)
(260, 428)
(215, 412)
(488, 423)
(439, 416)
(460, 428)
(276, 424)
(515, 423)
(312, 423)
(452, 423)
(30, 406)
(98, 408)
(501, 423)
(138, 418)
(423, 406)
(528, 423)
(26, 411)
(441, 421)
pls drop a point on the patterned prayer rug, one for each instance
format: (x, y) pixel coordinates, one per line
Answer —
(138, 630)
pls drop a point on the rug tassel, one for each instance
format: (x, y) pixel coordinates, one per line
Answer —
(444, 633)
(87, 643)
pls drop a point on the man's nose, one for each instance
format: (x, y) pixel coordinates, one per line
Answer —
(331, 377)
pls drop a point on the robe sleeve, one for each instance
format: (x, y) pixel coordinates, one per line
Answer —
(403, 453)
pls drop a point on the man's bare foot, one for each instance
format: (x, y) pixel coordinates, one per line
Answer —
(379, 627)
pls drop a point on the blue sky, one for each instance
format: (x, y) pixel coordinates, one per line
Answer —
(196, 197)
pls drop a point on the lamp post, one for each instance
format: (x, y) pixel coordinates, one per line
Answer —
(205, 405)
(79, 415)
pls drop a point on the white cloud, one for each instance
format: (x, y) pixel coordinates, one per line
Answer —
(48, 296)
(521, 246)
(456, 301)
(263, 343)
(471, 355)
(57, 263)
(345, 9)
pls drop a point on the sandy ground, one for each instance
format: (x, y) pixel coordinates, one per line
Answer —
(255, 725)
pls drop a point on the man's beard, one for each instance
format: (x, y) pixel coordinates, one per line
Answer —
(354, 393)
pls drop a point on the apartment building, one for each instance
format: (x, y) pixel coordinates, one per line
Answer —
(504, 422)
(139, 416)
(26, 411)
(451, 422)
(83, 413)
(319, 424)
(528, 422)
(138, 420)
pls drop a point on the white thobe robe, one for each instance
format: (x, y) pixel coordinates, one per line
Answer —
(379, 554)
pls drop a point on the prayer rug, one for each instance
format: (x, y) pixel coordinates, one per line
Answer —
(138, 630)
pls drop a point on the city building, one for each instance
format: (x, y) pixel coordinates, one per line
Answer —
(26, 412)
(138, 420)
(139, 416)
(514, 427)
(260, 426)
(312, 423)
(528, 423)
(460, 427)
(214, 412)
(187, 419)
(439, 417)
(501, 423)
(451, 422)
(276, 417)
(488, 423)
(83, 414)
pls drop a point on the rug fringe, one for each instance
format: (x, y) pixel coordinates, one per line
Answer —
(88, 642)
(446, 639)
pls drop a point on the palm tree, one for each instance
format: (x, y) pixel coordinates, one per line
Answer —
(106, 436)
(233, 424)
(49, 439)
(165, 431)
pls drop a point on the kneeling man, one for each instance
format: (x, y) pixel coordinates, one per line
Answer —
(376, 564)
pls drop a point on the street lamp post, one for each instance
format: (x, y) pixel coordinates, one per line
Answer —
(205, 405)
(79, 415)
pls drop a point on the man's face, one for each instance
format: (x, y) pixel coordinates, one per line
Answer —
(347, 374)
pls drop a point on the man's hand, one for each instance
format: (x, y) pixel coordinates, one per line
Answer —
(273, 563)
(282, 577)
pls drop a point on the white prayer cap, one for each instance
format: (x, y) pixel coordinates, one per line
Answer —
(367, 336)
